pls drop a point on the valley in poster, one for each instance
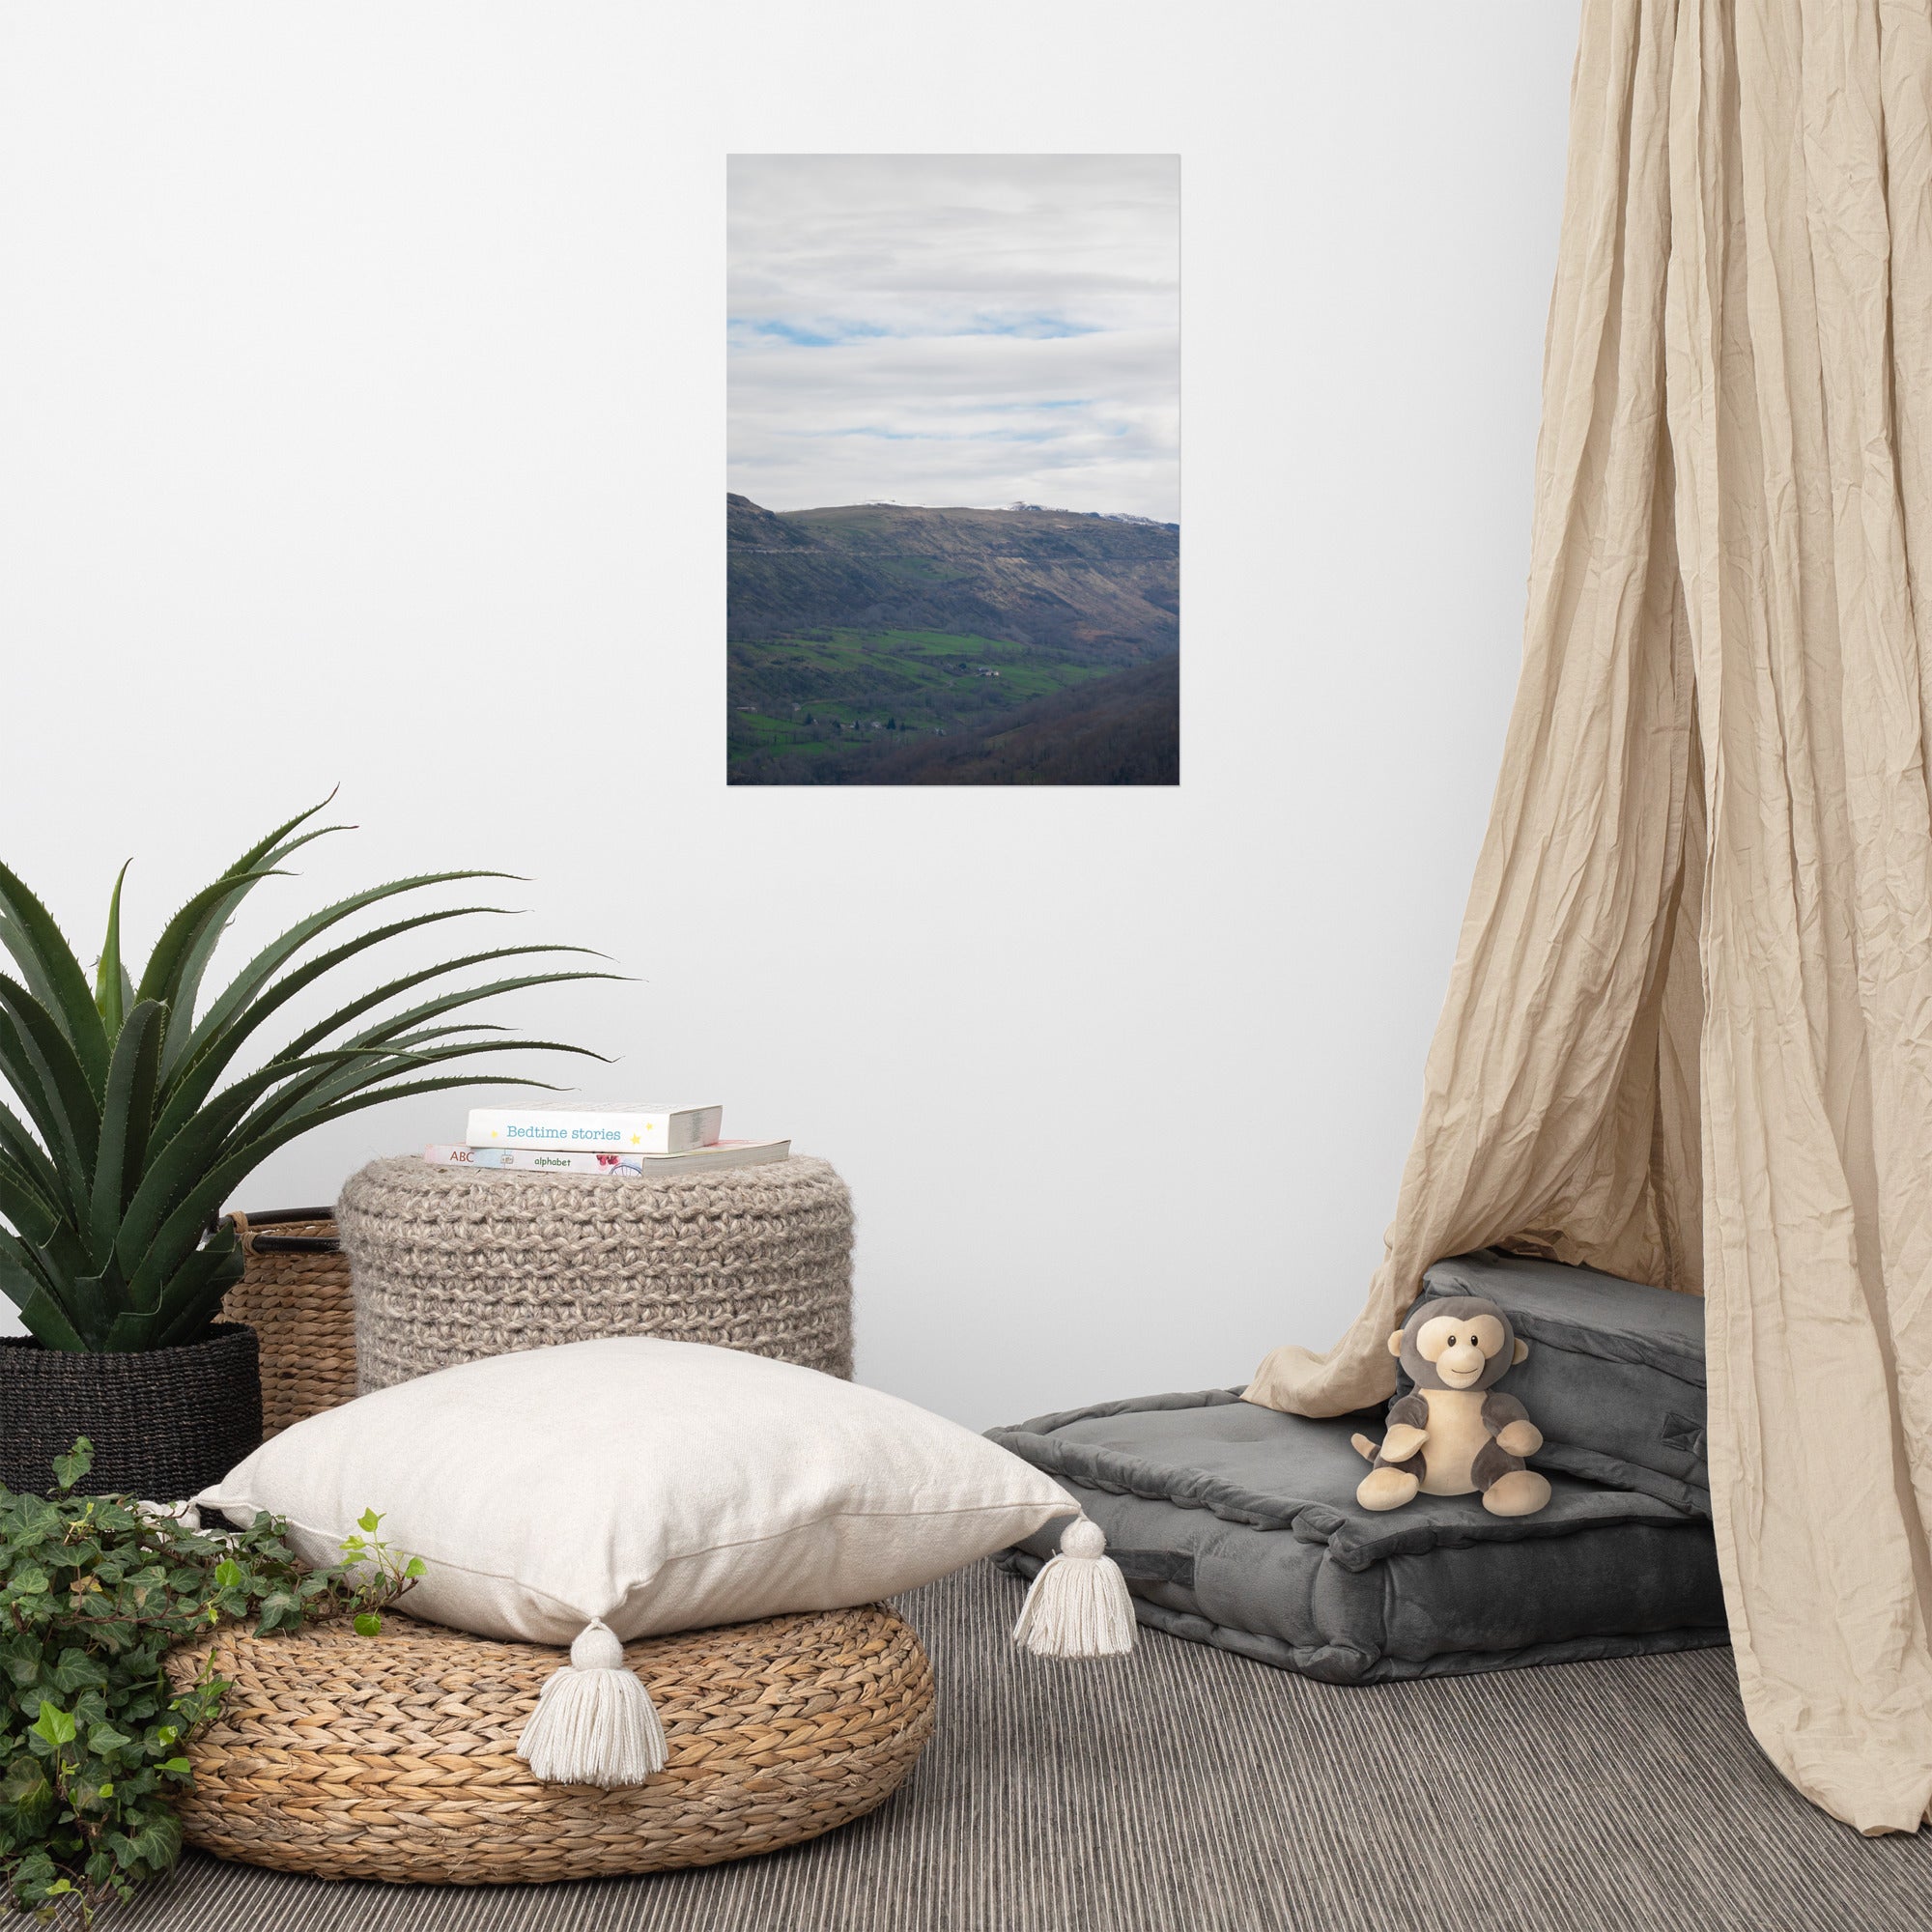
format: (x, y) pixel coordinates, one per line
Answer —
(953, 524)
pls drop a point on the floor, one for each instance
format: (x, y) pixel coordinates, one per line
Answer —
(1183, 1790)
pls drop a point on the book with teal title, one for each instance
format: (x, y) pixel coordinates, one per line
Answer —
(621, 1130)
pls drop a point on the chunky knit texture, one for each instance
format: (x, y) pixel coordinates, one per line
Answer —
(454, 1263)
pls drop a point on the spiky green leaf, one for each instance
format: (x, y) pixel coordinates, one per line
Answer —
(222, 1180)
(273, 957)
(24, 1161)
(266, 854)
(173, 1239)
(50, 1072)
(18, 1069)
(25, 1284)
(161, 979)
(127, 1113)
(222, 1034)
(47, 964)
(110, 978)
(321, 1089)
(44, 1319)
(446, 1003)
(186, 1296)
(35, 1218)
(179, 1156)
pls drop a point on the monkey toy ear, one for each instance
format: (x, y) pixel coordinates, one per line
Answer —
(1395, 1343)
(1522, 1353)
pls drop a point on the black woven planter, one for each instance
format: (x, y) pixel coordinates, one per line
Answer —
(164, 1423)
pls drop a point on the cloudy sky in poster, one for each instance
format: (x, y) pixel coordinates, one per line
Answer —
(957, 329)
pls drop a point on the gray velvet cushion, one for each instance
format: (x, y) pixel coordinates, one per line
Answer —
(1615, 1373)
(1238, 1526)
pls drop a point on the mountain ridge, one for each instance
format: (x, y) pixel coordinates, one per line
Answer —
(1105, 589)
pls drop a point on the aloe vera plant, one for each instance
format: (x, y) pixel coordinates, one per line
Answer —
(124, 1141)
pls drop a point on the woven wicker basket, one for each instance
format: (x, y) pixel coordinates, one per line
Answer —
(297, 1297)
(163, 1422)
(394, 1756)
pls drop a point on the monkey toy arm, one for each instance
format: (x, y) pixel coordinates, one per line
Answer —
(1407, 1429)
(1508, 1421)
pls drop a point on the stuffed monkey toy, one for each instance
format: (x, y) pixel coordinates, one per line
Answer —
(1456, 1434)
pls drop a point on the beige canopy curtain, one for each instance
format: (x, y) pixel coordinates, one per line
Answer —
(1688, 1031)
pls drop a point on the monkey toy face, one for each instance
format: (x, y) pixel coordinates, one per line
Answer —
(1457, 1342)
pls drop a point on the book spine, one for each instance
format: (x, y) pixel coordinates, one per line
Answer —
(535, 1160)
(693, 1127)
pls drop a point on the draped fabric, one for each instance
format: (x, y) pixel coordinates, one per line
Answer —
(1688, 1030)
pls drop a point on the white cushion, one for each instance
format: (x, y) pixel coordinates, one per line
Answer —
(655, 1486)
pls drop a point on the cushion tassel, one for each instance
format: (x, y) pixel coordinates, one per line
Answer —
(595, 1722)
(1078, 1605)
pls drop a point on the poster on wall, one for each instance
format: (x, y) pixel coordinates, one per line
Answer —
(953, 509)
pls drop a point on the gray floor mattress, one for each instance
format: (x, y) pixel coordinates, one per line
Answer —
(1237, 1526)
(1615, 1374)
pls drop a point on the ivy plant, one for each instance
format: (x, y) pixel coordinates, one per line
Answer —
(95, 1591)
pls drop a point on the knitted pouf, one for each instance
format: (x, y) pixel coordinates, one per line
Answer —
(454, 1263)
(394, 1756)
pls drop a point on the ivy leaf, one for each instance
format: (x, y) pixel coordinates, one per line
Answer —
(70, 1468)
(369, 1521)
(24, 1783)
(415, 1567)
(154, 1845)
(21, 1661)
(75, 1671)
(278, 1604)
(85, 1795)
(53, 1725)
(35, 1876)
(103, 1739)
(175, 1767)
(368, 1624)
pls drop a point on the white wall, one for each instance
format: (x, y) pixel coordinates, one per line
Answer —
(361, 420)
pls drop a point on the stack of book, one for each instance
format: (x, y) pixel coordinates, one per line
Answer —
(602, 1140)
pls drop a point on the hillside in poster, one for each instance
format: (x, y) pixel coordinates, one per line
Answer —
(895, 644)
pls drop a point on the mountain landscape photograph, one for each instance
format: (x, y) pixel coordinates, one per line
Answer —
(952, 522)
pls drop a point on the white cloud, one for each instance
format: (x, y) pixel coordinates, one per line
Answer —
(955, 329)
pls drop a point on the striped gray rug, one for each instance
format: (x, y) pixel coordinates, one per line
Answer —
(1188, 1791)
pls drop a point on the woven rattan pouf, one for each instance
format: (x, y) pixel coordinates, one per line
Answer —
(394, 1756)
(452, 1263)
